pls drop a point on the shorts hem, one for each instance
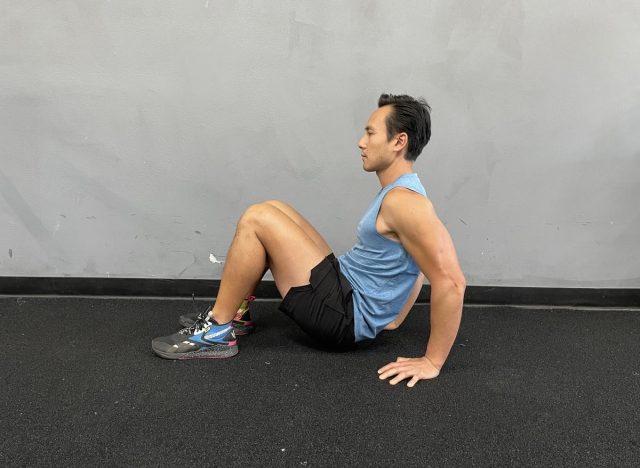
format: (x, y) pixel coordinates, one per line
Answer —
(291, 293)
(323, 308)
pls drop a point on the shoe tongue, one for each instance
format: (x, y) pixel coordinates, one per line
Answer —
(205, 322)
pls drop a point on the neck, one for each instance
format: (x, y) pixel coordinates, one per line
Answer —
(391, 173)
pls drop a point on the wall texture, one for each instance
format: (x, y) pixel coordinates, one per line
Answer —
(134, 133)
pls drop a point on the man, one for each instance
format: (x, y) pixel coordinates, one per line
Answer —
(344, 301)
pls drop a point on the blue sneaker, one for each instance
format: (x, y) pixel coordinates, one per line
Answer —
(203, 340)
(242, 323)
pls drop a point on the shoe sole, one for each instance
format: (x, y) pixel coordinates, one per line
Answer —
(221, 353)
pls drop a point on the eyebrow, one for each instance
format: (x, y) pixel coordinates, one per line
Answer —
(369, 128)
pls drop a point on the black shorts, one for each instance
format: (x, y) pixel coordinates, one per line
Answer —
(323, 308)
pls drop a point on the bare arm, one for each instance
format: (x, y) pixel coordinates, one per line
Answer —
(446, 314)
(413, 219)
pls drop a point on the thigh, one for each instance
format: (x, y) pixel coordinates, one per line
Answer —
(292, 253)
(301, 221)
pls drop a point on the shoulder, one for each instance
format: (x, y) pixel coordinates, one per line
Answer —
(402, 206)
(401, 199)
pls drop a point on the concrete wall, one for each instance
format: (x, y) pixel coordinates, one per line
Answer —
(134, 133)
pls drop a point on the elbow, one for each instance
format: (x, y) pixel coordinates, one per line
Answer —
(459, 286)
(454, 285)
(391, 326)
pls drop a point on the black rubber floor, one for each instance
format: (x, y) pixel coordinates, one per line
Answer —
(522, 387)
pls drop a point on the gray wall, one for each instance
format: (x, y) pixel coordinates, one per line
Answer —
(134, 133)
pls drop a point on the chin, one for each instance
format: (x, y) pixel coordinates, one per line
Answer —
(368, 168)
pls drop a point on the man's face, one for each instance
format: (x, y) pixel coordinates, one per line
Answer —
(376, 152)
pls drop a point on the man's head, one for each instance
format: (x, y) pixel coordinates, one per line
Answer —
(400, 127)
(411, 116)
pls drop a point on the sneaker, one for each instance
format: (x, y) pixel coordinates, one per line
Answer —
(242, 323)
(203, 340)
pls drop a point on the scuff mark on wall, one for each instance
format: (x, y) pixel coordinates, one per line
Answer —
(10, 253)
(29, 220)
(456, 187)
(195, 261)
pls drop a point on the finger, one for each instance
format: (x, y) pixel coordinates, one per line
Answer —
(388, 373)
(389, 366)
(393, 371)
(400, 359)
(398, 378)
(413, 381)
(401, 375)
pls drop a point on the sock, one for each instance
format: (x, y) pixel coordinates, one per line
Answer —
(213, 321)
(243, 310)
(243, 315)
(247, 301)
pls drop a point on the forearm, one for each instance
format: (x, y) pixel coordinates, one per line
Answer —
(446, 313)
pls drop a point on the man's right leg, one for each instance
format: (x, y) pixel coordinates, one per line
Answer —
(305, 225)
(242, 322)
(266, 237)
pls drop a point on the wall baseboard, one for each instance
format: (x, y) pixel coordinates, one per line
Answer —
(152, 287)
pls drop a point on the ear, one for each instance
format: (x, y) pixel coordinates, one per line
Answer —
(402, 142)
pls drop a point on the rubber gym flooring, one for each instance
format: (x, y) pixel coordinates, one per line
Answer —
(522, 387)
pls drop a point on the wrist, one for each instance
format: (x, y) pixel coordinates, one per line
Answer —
(434, 362)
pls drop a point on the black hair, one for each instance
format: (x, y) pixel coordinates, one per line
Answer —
(411, 116)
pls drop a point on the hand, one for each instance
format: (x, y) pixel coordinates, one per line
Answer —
(416, 368)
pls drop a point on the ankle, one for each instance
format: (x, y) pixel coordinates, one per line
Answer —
(217, 320)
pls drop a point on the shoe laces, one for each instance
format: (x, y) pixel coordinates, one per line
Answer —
(201, 320)
(201, 315)
(199, 325)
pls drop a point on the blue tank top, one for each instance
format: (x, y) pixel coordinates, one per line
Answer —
(380, 270)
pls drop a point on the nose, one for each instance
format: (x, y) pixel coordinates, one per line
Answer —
(361, 143)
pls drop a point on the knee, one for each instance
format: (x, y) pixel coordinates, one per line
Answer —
(275, 203)
(256, 213)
